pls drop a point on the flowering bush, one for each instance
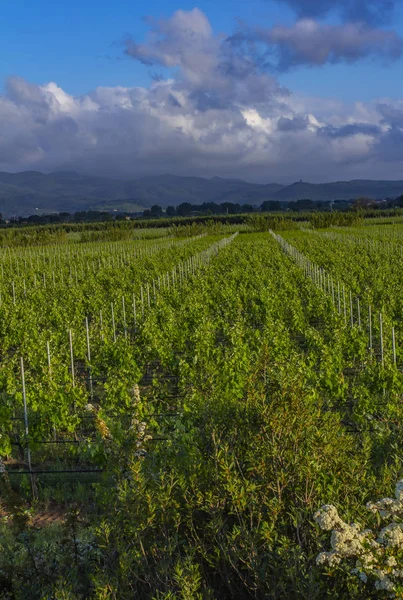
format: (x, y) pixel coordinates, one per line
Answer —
(374, 556)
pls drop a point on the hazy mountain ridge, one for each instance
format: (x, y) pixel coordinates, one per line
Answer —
(340, 190)
(31, 191)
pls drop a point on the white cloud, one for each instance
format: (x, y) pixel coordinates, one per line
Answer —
(219, 115)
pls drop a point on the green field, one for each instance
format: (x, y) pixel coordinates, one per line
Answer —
(175, 410)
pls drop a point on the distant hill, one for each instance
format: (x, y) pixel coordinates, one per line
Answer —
(340, 190)
(32, 192)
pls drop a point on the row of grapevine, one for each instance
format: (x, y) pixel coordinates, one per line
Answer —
(220, 414)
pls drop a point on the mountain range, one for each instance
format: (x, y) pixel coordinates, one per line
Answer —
(31, 192)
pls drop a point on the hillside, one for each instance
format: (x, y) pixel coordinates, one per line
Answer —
(340, 190)
(32, 192)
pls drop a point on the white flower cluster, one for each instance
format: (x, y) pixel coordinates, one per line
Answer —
(136, 394)
(140, 428)
(377, 555)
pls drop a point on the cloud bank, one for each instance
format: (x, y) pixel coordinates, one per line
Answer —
(218, 113)
(308, 42)
(373, 12)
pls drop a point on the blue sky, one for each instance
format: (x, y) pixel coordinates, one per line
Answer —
(76, 44)
(262, 89)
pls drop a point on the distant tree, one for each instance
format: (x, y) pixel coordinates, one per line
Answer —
(247, 208)
(156, 211)
(270, 205)
(210, 208)
(229, 208)
(184, 209)
(87, 216)
(361, 203)
(147, 212)
(170, 211)
(35, 219)
(305, 204)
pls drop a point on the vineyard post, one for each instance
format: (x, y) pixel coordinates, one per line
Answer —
(142, 302)
(24, 397)
(49, 362)
(344, 305)
(101, 325)
(351, 310)
(381, 335)
(394, 345)
(124, 316)
(71, 358)
(50, 379)
(87, 333)
(113, 322)
(134, 312)
(359, 312)
(370, 327)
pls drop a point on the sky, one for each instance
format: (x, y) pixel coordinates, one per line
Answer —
(265, 90)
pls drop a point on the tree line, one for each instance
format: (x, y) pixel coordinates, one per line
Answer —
(205, 210)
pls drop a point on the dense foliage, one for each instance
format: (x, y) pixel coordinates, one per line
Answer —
(221, 391)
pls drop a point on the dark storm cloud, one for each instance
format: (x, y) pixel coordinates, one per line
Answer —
(373, 12)
(297, 123)
(350, 129)
(308, 42)
(389, 147)
(391, 115)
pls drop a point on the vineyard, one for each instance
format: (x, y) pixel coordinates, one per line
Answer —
(185, 405)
